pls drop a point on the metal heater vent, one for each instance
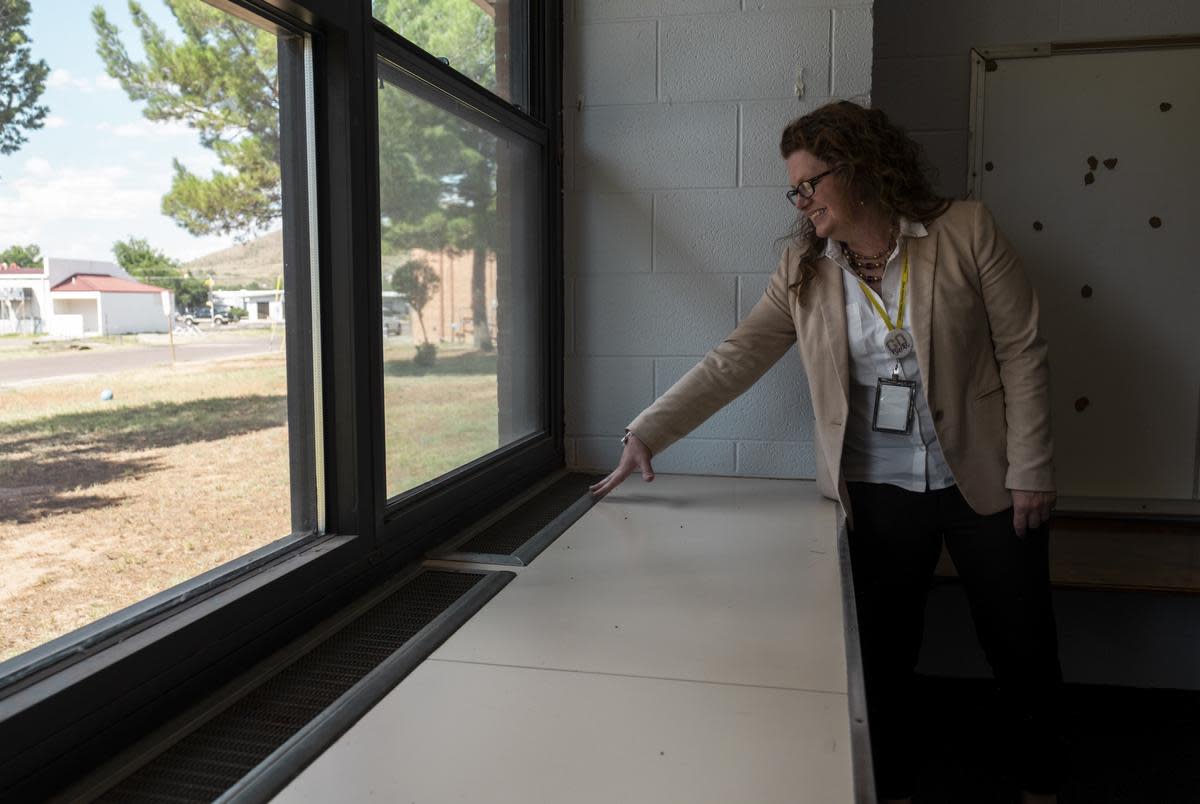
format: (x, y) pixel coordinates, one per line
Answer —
(207, 762)
(532, 526)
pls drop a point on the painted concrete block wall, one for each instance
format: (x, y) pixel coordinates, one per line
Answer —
(674, 208)
(922, 68)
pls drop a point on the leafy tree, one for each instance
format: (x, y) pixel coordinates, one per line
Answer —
(459, 31)
(24, 256)
(150, 265)
(416, 281)
(139, 258)
(438, 173)
(22, 81)
(222, 81)
(190, 292)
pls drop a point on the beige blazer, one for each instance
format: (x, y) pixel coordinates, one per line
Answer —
(983, 363)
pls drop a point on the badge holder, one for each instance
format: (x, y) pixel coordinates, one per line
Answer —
(895, 401)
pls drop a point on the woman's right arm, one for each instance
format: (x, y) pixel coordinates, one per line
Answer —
(762, 337)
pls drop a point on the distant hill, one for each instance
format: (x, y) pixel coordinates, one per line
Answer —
(259, 260)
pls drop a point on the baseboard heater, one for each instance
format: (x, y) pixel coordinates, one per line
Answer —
(247, 742)
(518, 532)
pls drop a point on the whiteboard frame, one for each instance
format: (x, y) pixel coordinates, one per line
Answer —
(982, 56)
(982, 59)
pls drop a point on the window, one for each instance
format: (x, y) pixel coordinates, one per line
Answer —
(145, 365)
(484, 40)
(460, 218)
(311, 178)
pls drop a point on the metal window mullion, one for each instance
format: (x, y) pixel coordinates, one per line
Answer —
(297, 260)
(418, 72)
(546, 92)
(318, 407)
(435, 96)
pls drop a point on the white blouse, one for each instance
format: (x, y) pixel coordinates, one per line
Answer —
(915, 461)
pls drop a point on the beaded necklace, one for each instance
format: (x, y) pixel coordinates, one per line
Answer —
(861, 264)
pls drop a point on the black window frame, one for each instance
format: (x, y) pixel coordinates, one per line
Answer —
(79, 699)
(484, 482)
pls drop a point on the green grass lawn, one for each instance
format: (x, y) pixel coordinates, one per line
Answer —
(438, 418)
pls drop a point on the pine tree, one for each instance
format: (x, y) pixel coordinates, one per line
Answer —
(438, 175)
(22, 80)
(222, 81)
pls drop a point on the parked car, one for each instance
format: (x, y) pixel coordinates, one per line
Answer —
(218, 315)
(395, 313)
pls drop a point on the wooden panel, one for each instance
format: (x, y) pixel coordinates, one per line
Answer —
(1112, 554)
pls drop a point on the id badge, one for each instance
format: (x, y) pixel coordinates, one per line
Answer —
(895, 401)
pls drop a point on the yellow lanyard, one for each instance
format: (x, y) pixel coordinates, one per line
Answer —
(879, 307)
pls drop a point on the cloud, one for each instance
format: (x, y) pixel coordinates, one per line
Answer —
(58, 78)
(54, 121)
(80, 212)
(46, 194)
(36, 166)
(63, 79)
(146, 129)
(203, 162)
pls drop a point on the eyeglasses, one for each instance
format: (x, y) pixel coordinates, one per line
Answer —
(806, 188)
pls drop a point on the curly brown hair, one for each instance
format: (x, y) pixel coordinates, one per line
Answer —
(879, 162)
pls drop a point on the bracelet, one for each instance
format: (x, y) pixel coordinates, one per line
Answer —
(625, 438)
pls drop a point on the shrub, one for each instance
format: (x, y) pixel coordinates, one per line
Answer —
(426, 354)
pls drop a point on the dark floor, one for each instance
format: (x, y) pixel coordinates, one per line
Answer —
(1124, 746)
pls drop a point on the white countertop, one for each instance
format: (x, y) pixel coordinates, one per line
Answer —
(683, 641)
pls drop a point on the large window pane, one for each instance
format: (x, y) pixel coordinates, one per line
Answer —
(482, 39)
(144, 393)
(463, 302)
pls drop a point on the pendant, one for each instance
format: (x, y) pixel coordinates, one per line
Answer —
(898, 343)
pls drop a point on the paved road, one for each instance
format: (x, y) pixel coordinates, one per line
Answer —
(55, 366)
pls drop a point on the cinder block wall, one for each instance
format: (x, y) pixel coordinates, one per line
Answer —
(674, 206)
(922, 73)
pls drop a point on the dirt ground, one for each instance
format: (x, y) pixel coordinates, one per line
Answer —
(107, 502)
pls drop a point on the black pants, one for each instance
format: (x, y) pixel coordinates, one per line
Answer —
(894, 549)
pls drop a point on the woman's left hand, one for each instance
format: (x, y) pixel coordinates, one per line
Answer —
(1031, 509)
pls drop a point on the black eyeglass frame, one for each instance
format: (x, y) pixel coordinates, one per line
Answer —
(808, 187)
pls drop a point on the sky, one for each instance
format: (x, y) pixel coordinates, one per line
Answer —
(97, 170)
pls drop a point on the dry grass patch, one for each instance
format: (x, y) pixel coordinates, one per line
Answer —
(110, 502)
(31, 347)
(115, 543)
(107, 503)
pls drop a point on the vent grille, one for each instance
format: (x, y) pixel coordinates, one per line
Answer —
(210, 760)
(510, 533)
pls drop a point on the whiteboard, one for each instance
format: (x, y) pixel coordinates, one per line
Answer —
(1090, 161)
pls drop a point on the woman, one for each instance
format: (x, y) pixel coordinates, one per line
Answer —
(918, 330)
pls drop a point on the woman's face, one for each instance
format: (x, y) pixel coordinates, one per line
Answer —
(830, 208)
